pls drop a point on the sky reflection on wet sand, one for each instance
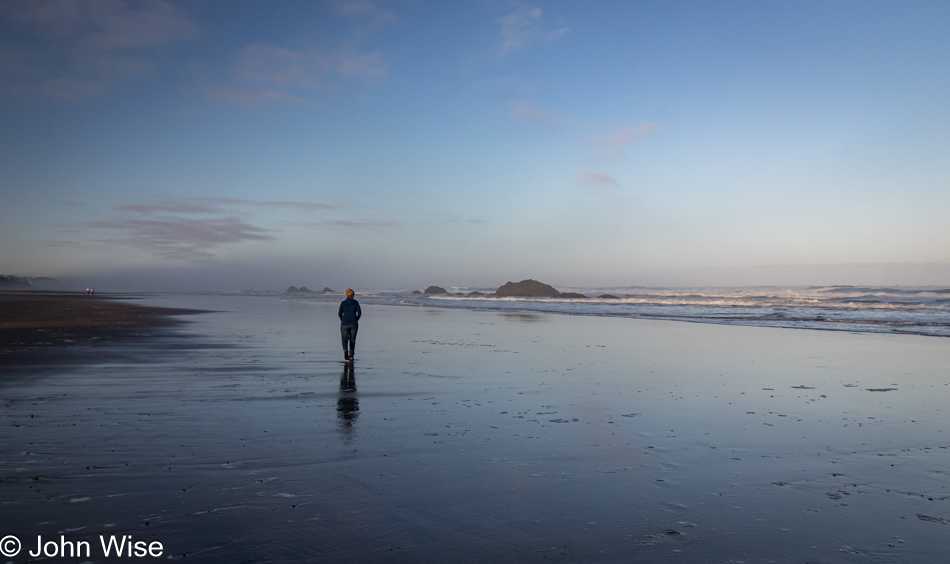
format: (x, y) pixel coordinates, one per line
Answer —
(485, 436)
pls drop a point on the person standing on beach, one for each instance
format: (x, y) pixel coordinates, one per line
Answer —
(350, 314)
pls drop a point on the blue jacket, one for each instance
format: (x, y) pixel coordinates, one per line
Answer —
(350, 312)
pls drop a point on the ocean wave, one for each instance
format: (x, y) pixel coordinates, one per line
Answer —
(912, 310)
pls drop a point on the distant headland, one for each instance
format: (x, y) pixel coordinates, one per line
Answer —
(8, 282)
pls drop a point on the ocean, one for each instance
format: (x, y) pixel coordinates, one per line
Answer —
(920, 310)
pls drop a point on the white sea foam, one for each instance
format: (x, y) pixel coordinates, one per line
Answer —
(911, 310)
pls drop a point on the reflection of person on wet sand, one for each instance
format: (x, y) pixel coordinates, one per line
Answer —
(350, 314)
(347, 404)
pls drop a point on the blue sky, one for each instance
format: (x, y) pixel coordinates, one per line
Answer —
(237, 145)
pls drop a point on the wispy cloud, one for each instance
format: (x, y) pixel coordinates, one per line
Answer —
(365, 64)
(168, 207)
(353, 223)
(266, 73)
(523, 28)
(598, 183)
(371, 13)
(524, 110)
(305, 206)
(194, 228)
(178, 237)
(251, 97)
(613, 145)
(596, 179)
(270, 64)
(80, 49)
(217, 205)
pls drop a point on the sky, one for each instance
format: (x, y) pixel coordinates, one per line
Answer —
(236, 145)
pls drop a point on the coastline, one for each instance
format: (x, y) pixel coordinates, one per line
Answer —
(56, 310)
(43, 326)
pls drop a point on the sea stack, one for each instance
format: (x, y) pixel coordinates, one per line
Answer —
(527, 288)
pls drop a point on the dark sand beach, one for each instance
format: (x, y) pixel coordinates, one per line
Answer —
(467, 436)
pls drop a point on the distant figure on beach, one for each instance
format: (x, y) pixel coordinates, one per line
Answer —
(350, 314)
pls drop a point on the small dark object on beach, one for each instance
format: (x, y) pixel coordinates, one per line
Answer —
(671, 532)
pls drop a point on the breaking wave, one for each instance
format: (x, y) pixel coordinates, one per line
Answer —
(866, 309)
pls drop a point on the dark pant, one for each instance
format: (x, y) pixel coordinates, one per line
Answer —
(348, 333)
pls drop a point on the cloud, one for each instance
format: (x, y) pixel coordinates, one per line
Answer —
(244, 97)
(168, 227)
(266, 73)
(613, 145)
(473, 221)
(596, 179)
(306, 206)
(368, 64)
(598, 183)
(369, 11)
(170, 207)
(354, 224)
(180, 238)
(76, 49)
(524, 110)
(103, 25)
(217, 205)
(522, 28)
(66, 89)
(266, 63)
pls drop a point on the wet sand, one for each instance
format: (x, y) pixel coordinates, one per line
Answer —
(462, 436)
(31, 320)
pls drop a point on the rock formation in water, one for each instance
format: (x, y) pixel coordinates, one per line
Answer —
(571, 295)
(609, 297)
(527, 288)
(326, 290)
(476, 293)
(300, 290)
(436, 290)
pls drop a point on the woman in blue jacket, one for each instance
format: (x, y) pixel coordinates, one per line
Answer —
(349, 313)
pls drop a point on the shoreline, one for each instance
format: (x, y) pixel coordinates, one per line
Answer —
(32, 321)
(54, 310)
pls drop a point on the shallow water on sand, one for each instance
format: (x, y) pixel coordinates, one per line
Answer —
(485, 436)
